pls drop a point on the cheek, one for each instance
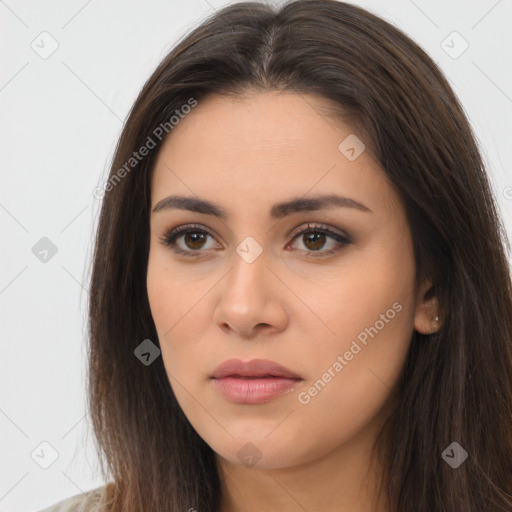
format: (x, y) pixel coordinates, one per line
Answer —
(371, 311)
(175, 306)
(352, 377)
(168, 298)
(345, 303)
(163, 294)
(160, 300)
(372, 333)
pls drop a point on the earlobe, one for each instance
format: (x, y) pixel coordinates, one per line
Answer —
(427, 316)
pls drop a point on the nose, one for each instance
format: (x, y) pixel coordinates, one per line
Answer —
(251, 301)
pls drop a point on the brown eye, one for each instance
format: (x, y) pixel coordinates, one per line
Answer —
(190, 240)
(193, 240)
(314, 241)
(314, 238)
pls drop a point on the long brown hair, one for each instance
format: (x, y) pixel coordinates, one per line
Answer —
(456, 385)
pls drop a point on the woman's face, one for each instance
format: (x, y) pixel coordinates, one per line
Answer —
(336, 309)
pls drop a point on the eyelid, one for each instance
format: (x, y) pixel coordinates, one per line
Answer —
(170, 237)
(314, 226)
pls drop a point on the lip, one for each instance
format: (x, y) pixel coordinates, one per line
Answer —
(253, 382)
(252, 368)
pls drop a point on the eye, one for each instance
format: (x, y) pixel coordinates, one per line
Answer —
(194, 238)
(314, 238)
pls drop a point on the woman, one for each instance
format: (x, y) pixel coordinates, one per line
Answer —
(300, 297)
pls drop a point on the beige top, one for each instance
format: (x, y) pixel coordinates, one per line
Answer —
(89, 501)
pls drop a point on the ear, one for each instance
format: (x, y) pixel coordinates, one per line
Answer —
(427, 318)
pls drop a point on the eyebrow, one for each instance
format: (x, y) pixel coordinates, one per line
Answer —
(278, 211)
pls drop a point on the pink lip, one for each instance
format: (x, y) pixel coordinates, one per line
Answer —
(253, 368)
(253, 382)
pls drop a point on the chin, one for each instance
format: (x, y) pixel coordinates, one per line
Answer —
(257, 452)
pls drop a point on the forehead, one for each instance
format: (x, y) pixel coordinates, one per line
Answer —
(263, 148)
(278, 124)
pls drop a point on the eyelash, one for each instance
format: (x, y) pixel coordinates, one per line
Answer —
(169, 239)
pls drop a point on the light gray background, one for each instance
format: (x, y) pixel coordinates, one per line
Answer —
(61, 117)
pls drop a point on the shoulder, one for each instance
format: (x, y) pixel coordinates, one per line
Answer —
(94, 500)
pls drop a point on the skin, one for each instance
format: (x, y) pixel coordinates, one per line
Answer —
(246, 154)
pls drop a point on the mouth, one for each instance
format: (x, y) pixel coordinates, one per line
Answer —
(251, 377)
(255, 368)
(254, 390)
(253, 382)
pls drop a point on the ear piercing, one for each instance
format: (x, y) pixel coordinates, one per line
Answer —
(434, 320)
